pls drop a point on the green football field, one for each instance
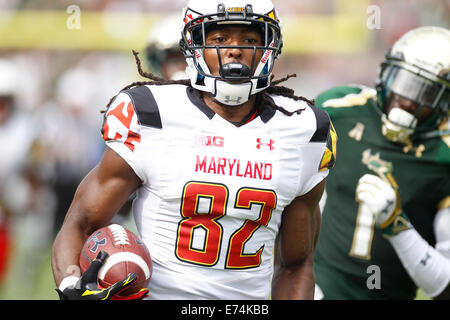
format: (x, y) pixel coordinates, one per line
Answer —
(37, 284)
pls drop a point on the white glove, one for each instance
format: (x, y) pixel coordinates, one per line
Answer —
(381, 199)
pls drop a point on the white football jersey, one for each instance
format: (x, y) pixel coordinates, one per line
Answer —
(212, 194)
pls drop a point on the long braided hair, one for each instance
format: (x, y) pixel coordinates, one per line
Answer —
(273, 89)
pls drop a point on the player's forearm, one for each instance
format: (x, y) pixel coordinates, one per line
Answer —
(296, 282)
(98, 197)
(428, 268)
(70, 239)
(66, 252)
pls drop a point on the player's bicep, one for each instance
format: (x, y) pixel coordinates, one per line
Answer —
(300, 226)
(103, 192)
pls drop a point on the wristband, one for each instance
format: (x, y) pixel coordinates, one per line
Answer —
(67, 282)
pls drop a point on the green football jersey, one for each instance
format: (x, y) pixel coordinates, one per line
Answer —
(350, 247)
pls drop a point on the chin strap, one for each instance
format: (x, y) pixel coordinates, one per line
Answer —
(229, 93)
(434, 134)
(398, 125)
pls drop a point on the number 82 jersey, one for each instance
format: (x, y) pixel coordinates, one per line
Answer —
(212, 195)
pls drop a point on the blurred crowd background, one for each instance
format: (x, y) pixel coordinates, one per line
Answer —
(62, 61)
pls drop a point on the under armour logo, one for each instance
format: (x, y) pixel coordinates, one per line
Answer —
(236, 101)
(97, 242)
(425, 259)
(265, 144)
(388, 206)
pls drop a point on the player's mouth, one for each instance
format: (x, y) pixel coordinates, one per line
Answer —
(235, 72)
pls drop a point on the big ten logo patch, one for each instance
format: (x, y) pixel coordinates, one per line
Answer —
(209, 141)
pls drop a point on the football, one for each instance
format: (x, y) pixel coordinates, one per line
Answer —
(126, 253)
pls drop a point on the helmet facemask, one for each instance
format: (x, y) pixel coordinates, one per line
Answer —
(235, 82)
(425, 90)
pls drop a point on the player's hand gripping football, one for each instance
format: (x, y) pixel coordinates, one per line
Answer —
(87, 287)
(384, 202)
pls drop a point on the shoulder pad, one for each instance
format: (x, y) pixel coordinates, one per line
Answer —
(322, 125)
(145, 105)
(325, 132)
(345, 96)
(120, 122)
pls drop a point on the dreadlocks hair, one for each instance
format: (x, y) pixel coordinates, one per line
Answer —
(273, 89)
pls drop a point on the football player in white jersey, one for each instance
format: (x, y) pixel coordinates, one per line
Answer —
(228, 168)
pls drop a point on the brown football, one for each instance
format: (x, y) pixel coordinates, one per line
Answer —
(126, 253)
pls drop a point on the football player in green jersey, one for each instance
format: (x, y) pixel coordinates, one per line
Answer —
(386, 221)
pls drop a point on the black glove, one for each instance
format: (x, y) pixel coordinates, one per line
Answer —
(87, 287)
